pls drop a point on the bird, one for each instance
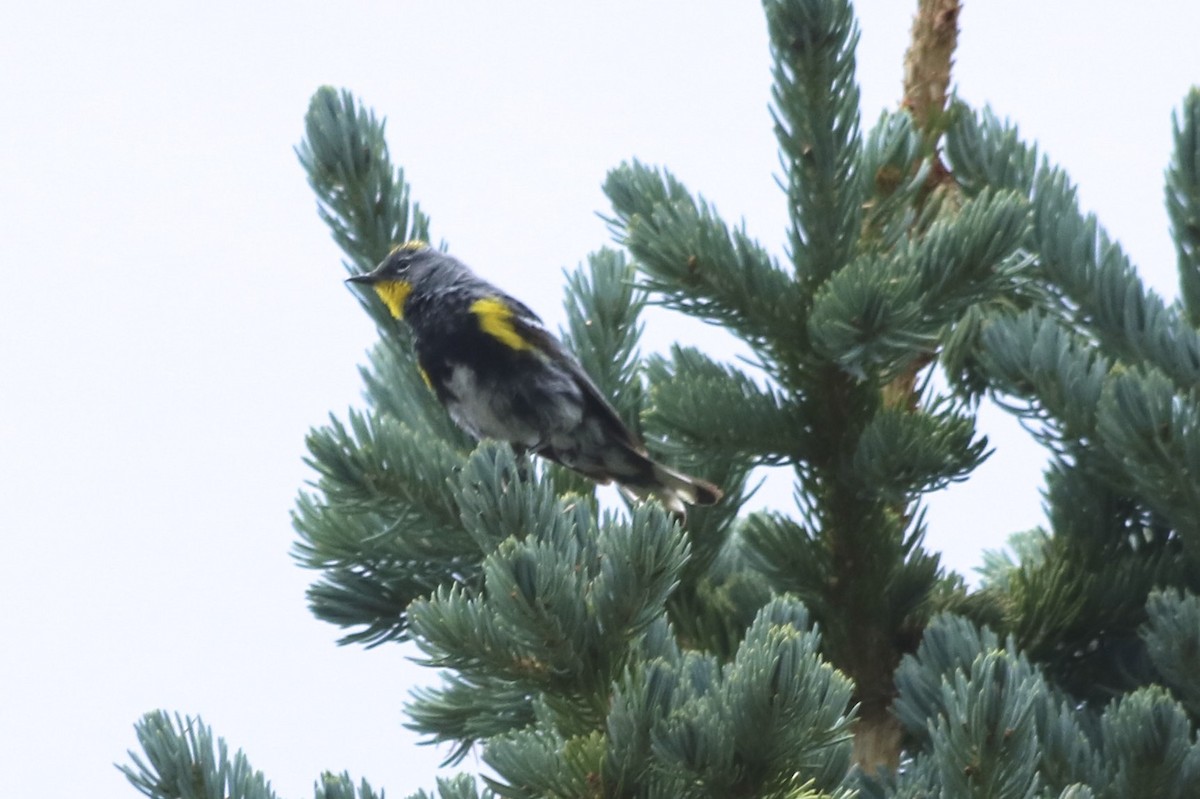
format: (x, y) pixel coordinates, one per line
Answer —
(502, 375)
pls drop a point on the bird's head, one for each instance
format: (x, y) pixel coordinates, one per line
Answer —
(393, 279)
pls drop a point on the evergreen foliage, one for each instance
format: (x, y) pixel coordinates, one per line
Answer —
(814, 651)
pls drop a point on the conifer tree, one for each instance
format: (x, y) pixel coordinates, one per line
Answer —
(817, 650)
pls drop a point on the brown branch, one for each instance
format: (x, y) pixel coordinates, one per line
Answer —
(878, 737)
(927, 66)
(928, 62)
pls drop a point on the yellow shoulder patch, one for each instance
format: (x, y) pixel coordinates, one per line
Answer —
(394, 293)
(496, 319)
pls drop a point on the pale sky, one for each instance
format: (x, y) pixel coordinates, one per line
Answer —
(174, 321)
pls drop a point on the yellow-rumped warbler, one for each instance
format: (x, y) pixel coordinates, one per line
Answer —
(502, 375)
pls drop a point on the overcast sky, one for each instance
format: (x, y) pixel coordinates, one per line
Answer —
(173, 318)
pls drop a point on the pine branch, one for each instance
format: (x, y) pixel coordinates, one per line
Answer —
(1172, 637)
(986, 152)
(968, 257)
(604, 329)
(562, 600)
(993, 696)
(1149, 433)
(999, 565)
(903, 454)
(817, 126)
(870, 320)
(1077, 608)
(893, 157)
(541, 762)
(792, 557)
(697, 265)
(882, 312)
(986, 721)
(339, 786)
(1183, 201)
(384, 528)
(719, 596)
(771, 720)
(550, 621)
(384, 465)
(496, 500)
(1096, 276)
(1033, 357)
(1155, 431)
(699, 404)
(1090, 282)
(458, 787)
(361, 197)
(464, 711)
(183, 761)
(1149, 746)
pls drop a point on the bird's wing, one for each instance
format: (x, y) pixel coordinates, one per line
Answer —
(527, 325)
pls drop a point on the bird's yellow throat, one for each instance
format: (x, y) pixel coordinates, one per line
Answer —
(394, 293)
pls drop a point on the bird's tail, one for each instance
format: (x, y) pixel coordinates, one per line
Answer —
(637, 476)
(674, 489)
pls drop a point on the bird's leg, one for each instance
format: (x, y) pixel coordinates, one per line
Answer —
(524, 465)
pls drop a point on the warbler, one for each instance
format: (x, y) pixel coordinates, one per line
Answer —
(501, 375)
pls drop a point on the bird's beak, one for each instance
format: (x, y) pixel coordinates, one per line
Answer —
(366, 279)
